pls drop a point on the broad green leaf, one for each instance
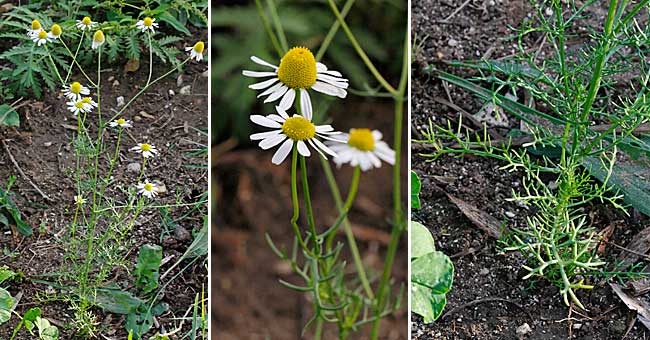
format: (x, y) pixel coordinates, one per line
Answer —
(140, 321)
(8, 116)
(416, 186)
(6, 302)
(46, 331)
(433, 270)
(116, 301)
(421, 240)
(6, 273)
(427, 304)
(173, 22)
(30, 317)
(146, 270)
(8, 203)
(629, 178)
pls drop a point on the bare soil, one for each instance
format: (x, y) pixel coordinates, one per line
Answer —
(468, 30)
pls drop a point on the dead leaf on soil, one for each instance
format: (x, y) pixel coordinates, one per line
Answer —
(640, 244)
(641, 307)
(480, 218)
(640, 286)
(132, 65)
(605, 234)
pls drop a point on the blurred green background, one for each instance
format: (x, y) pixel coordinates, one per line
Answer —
(238, 33)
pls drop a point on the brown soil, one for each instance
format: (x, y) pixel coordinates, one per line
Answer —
(482, 270)
(42, 149)
(253, 198)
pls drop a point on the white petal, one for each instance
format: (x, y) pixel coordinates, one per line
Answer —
(261, 120)
(282, 152)
(324, 128)
(305, 104)
(263, 84)
(333, 73)
(282, 112)
(276, 118)
(272, 141)
(323, 147)
(329, 89)
(270, 90)
(262, 62)
(310, 141)
(320, 67)
(287, 99)
(373, 158)
(264, 135)
(277, 94)
(303, 149)
(376, 135)
(255, 74)
(338, 82)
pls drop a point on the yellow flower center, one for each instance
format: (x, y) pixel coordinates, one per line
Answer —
(199, 47)
(147, 21)
(42, 35)
(362, 139)
(75, 87)
(120, 121)
(86, 100)
(298, 128)
(145, 147)
(36, 24)
(98, 37)
(148, 186)
(298, 68)
(79, 105)
(86, 21)
(56, 29)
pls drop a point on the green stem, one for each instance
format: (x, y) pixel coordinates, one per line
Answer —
(267, 27)
(74, 58)
(150, 59)
(362, 54)
(333, 30)
(56, 69)
(352, 193)
(398, 226)
(310, 212)
(319, 329)
(294, 198)
(278, 25)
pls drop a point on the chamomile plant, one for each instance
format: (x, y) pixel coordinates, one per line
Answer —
(108, 202)
(294, 134)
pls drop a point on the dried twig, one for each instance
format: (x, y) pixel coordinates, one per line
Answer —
(13, 160)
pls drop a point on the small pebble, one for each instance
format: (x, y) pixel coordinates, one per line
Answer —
(133, 167)
(452, 42)
(46, 144)
(523, 330)
(172, 93)
(120, 101)
(185, 90)
(510, 214)
(181, 234)
(484, 272)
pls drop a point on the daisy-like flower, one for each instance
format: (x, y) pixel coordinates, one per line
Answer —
(147, 150)
(36, 28)
(292, 131)
(196, 51)
(55, 32)
(147, 189)
(123, 123)
(85, 24)
(78, 107)
(98, 39)
(75, 91)
(297, 73)
(89, 102)
(79, 200)
(364, 148)
(147, 24)
(41, 38)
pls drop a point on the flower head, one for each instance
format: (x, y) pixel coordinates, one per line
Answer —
(89, 102)
(55, 31)
(77, 107)
(35, 28)
(75, 91)
(296, 131)
(85, 24)
(298, 72)
(147, 24)
(147, 189)
(196, 51)
(363, 148)
(79, 200)
(98, 39)
(121, 122)
(147, 150)
(41, 38)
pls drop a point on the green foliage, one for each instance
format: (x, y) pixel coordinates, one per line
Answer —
(8, 116)
(304, 24)
(6, 300)
(140, 321)
(46, 331)
(432, 274)
(566, 135)
(9, 212)
(146, 270)
(416, 187)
